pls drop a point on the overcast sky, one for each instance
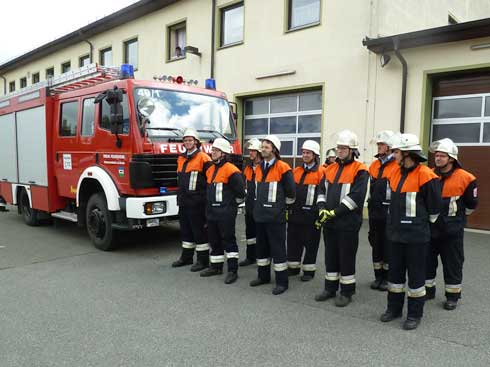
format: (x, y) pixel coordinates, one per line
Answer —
(25, 25)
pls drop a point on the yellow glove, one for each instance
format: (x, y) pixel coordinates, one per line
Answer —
(322, 218)
(330, 214)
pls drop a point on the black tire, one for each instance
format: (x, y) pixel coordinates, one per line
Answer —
(99, 223)
(31, 216)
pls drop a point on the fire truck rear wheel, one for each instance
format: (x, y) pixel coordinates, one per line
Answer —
(99, 223)
(31, 216)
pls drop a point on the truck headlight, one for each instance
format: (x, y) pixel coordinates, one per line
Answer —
(157, 207)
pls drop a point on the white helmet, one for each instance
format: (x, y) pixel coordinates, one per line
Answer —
(222, 144)
(347, 138)
(446, 146)
(274, 140)
(254, 144)
(405, 142)
(311, 145)
(383, 137)
(331, 153)
(190, 131)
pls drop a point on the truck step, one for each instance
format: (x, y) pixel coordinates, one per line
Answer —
(72, 217)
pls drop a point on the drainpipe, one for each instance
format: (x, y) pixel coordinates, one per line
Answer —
(400, 57)
(4, 84)
(90, 44)
(213, 33)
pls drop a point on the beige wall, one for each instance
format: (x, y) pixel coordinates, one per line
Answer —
(358, 94)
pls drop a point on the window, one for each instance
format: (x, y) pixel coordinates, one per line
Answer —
(176, 41)
(294, 118)
(49, 73)
(12, 87)
(232, 24)
(23, 82)
(69, 117)
(65, 67)
(106, 56)
(105, 115)
(464, 119)
(131, 52)
(84, 60)
(35, 78)
(88, 117)
(303, 13)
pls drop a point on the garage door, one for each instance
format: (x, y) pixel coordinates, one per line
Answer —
(461, 111)
(294, 118)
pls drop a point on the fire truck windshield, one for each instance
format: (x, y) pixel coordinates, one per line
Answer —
(175, 111)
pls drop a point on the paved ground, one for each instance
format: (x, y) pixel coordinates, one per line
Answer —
(63, 303)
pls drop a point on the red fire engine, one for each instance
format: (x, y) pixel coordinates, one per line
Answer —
(99, 148)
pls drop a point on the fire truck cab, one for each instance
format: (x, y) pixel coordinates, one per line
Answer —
(99, 148)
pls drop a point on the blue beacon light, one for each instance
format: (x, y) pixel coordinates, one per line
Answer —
(127, 71)
(210, 84)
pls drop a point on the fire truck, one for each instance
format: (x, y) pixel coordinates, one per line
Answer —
(99, 148)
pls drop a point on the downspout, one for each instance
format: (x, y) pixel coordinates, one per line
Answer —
(90, 44)
(213, 33)
(4, 85)
(400, 57)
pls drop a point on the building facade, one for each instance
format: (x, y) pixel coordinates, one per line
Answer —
(295, 68)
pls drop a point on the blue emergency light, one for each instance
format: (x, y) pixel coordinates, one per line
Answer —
(127, 71)
(210, 84)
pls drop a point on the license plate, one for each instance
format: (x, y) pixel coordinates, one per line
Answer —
(155, 222)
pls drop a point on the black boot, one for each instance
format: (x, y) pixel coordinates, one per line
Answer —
(209, 272)
(383, 286)
(343, 300)
(376, 283)
(181, 262)
(321, 297)
(231, 277)
(430, 293)
(450, 304)
(411, 323)
(307, 276)
(390, 315)
(202, 261)
(247, 262)
(279, 289)
(293, 271)
(258, 281)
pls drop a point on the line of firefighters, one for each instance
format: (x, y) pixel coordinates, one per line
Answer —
(416, 214)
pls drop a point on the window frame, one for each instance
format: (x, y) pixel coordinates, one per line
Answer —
(288, 18)
(102, 51)
(77, 103)
(47, 76)
(12, 86)
(482, 119)
(126, 45)
(23, 81)
(83, 57)
(222, 10)
(38, 77)
(171, 28)
(63, 65)
(82, 117)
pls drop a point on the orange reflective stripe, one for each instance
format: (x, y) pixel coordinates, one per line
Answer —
(311, 178)
(275, 172)
(456, 184)
(223, 174)
(415, 179)
(348, 173)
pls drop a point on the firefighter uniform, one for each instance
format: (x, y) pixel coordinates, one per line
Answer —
(415, 201)
(301, 232)
(225, 190)
(459, 199)
(378, 204)
(274, 189)
(191, 199)
(250, 231)
(343, 190)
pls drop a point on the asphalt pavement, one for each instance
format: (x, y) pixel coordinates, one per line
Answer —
(64, 303)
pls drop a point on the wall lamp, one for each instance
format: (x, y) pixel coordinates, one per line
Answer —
(192, 50)
(384, 60)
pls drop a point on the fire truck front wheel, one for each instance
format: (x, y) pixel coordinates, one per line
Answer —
(31, 216)
(99, 223)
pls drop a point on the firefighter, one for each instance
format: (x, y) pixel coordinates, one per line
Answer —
(225, 190)
(254, 147)
(459, 199)
(275, 189)
(331, 157)
(378, 203)
(415, 202)
(301, 232)
(340, 202)
(191, 198)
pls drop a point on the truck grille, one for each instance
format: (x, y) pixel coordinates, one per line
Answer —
(163, 168)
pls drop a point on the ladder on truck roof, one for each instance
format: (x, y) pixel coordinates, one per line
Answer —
(86, 76)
